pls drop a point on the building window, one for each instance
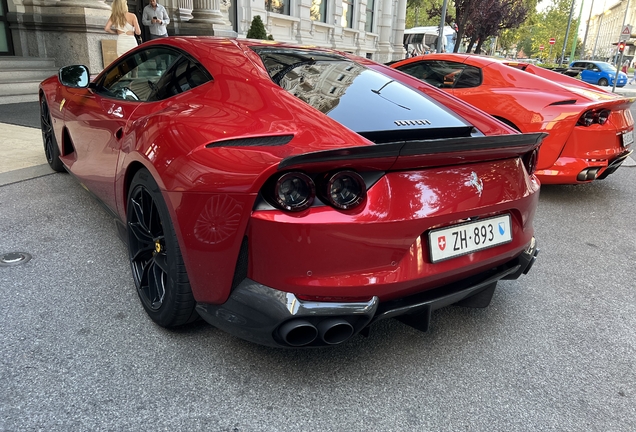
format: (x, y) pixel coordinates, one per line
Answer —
(347, 14)
(277, 6)
(370, 7)
(318, 10)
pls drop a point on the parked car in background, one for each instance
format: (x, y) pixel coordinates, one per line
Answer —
(420, 40)
(292, 196)
(591, 130)
(596, 72)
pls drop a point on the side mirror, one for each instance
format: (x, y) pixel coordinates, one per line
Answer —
(74, 76)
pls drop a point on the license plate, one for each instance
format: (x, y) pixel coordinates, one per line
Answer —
(628, 138)
(458, 240)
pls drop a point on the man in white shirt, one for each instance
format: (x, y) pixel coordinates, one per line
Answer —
(156, 18)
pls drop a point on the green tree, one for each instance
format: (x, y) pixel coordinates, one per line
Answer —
(552, 22)
(418, 13)
(257, 29)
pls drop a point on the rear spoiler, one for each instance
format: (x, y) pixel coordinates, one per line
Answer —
(411, 154)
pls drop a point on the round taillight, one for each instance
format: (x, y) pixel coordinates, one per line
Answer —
(587, 118)
(603, 116)
(345, 190)
(294, 191)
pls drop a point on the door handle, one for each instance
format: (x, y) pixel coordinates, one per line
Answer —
(120, 133)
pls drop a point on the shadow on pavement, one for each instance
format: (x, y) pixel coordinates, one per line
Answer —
(21, 114)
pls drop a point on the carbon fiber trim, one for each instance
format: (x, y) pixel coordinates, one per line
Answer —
(261, 141)
(522, 142)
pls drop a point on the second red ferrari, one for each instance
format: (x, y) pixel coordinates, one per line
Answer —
(591, 131)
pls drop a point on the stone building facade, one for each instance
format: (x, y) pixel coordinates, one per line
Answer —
(604, 30)
(71, 31)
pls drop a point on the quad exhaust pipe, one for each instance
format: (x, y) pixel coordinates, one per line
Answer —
(334, 331)
(588, 174)
(331, 331)
(298, 332)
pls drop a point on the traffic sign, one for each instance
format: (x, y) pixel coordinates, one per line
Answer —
(626, 33)
(541, 47)
(552, 41)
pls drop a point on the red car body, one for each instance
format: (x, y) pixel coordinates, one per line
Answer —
(533, 99)
(219, 146)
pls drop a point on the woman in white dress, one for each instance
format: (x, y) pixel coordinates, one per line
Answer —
(124, 24)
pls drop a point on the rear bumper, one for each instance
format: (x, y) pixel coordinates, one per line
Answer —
(568, 170)
(614, 164)
(267, 316)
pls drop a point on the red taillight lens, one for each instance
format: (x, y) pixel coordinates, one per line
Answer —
(603, 116)
(586, 119)
(594, 116)
(294, 191)
(344, 190)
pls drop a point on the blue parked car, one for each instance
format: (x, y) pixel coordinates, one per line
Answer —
(597, 72)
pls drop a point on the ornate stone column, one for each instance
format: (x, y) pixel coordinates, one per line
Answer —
(184, 10)
(69, 31)
(207, 20)
(207, 11)
(385, 50)
(398, 31)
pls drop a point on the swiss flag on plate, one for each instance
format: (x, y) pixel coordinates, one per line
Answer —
(441, 242)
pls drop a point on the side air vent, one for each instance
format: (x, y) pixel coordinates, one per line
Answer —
(262, 141)
(67, 143)
(564, 102)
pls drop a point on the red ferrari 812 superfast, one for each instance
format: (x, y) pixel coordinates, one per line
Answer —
(591, 130)
(289, 195)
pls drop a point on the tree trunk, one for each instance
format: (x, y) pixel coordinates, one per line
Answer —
(462, 20)
(471, 43)
(478, 47)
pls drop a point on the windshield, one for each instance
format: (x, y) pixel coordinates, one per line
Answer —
(606, 67)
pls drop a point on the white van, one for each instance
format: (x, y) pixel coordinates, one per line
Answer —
(419, 40)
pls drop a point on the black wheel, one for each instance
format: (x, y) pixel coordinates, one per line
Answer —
(602, 82)
(51, 150)
(157, 265)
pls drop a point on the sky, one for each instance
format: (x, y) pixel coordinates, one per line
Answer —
(599, 6)
(596, 6)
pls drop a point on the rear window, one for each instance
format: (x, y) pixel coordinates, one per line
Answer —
(358, 97)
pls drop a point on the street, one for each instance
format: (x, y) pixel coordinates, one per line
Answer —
(555, 350)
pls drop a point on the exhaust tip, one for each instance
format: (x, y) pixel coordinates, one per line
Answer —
(592, 173)
(298, 332)
(335, 330)
(588, 174)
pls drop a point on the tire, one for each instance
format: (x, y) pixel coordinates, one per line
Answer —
(51, 149)
(603, 82)
(155, 258)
